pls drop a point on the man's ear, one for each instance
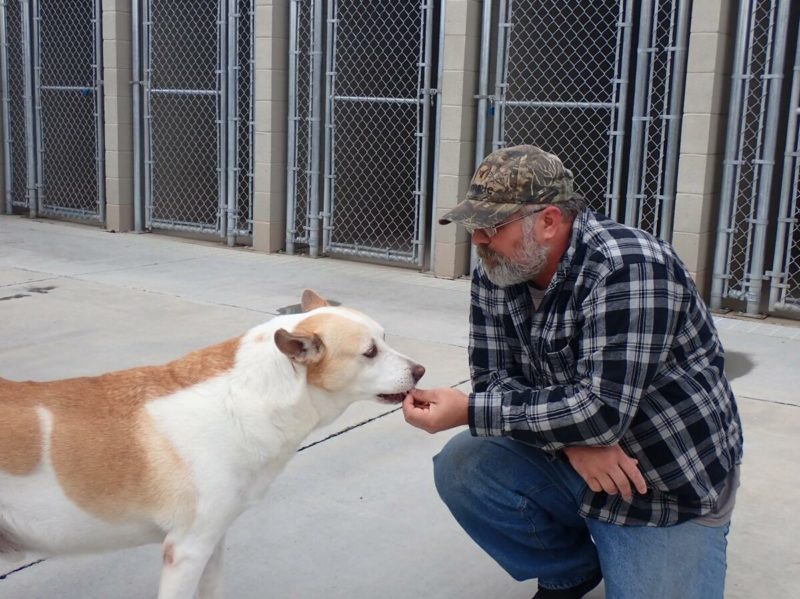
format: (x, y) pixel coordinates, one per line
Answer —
(305, 349)
(311, 300)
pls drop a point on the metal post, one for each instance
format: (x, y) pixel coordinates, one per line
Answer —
(622, 102)
(291, 140)
(222, 118)
(316, 118)
(483, 83)
(136, 90)
(330, 81)
(645, 50)
(423, 139)
(8, 205)
(781, 259)
(147, 140)
(483, 99)
(99, 115)
(501, 72)
(732, 136)
(28, 50)
(231, 94)
(675, 110)
(753, 296)
(437, 134)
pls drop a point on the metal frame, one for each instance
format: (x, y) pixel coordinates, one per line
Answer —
(304, 126)
(657, 112)
(335, 231)
(15, 99)
(57, 192)
(233, 126)
(750, 153)
(512, 56)
(785, 275)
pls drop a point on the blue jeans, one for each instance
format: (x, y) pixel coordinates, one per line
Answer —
(521, 506)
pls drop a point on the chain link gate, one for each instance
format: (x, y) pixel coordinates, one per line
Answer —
(305, 110)
(59, 144)
(562, 84)
(657, 110)
(377, 119)
(785, 275)
(16, 129)
(751, 141)
(378, 101)
(198, 116)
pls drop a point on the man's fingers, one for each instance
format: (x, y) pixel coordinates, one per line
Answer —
(621, 481)
(631, 470)
(594, 485)
(422, 395)
(608, 484)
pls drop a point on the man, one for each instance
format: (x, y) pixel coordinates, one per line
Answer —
(604, 439)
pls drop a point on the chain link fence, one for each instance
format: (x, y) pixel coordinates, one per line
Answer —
(198, 107)
(561, 84)
(785, 288)
(245, 116)
(304, 118)
(69, 102)
(15, 99)
(657, 111)
(53, 108)
(377, 121)
(752, 134)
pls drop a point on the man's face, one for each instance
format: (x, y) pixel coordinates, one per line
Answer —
(513, 255)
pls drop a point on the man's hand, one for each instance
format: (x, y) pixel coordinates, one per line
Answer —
(435, 410)
(607, 469)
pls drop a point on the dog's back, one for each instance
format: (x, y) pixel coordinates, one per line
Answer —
(83, 453)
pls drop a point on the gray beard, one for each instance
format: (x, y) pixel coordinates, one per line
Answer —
(526, 264)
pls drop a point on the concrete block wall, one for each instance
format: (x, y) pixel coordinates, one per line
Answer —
(711, 41)
(118, 109)
(271, 113)
(462, 43)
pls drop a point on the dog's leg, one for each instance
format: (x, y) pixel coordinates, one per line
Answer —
(184, 561)
(211, 580)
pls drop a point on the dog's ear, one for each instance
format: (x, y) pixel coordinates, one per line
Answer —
(306, 349)
(311, 299)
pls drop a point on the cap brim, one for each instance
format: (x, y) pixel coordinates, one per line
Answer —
(479, 214)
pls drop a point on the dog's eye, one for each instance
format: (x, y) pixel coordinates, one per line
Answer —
(371, 352)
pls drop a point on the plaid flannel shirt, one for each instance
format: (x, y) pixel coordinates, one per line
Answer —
(621, 349)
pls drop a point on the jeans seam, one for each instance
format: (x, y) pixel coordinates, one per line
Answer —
(524, 509)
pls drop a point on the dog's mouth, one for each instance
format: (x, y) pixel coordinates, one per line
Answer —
(393, 397)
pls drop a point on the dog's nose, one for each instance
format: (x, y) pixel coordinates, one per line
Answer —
(417, 371)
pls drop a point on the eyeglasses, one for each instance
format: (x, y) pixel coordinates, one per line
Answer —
(492, 231)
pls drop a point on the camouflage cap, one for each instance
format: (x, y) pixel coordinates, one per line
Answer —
(506, 180)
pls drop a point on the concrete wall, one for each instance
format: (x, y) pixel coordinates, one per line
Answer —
(117, 75)
(462, 43)
(702, 150)
(271, 101)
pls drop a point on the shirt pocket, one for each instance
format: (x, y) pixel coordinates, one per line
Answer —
(559, 366)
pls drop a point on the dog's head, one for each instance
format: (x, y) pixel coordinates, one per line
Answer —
(345, 354)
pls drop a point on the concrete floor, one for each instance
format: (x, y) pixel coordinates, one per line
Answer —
(355, 515)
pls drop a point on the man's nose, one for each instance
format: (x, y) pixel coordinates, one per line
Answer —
(417, 371)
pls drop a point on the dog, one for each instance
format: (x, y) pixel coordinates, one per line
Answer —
(175, 453)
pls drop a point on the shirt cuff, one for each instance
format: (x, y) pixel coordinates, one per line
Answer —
(486, 414)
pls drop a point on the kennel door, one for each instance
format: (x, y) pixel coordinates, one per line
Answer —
(377, 121)
(67, 57)
(561, 84)
(185, 59)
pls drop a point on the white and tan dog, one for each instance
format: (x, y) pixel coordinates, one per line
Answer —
(175, 453)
